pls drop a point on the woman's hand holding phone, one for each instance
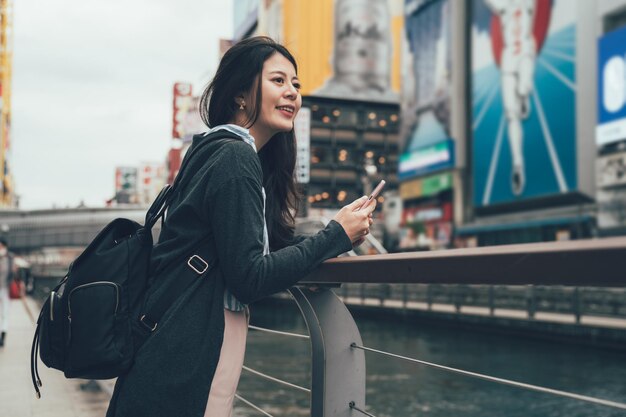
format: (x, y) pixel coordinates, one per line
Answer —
(356, 219)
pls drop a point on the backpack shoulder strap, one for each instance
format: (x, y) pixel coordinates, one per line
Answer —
(192, 267)
(167, 194)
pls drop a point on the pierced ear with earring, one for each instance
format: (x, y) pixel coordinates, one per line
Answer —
(242, 105)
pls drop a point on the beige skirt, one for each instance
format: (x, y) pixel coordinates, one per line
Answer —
(228, 371)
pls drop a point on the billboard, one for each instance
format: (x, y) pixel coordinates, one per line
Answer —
(426, 74)
(186, 117)
(611, 197)
(611, 88)
(611, 170)
(427, 159)
(348, 49)
(302, 130)
(180, 104)
(427, 226)
(151, 179)
(523, 99)
(126, 184)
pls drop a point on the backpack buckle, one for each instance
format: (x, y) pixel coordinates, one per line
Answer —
(148, 325)
(198, 264)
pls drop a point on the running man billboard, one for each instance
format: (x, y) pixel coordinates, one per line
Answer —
(523, 99)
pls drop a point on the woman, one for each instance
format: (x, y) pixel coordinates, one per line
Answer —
(190, 365)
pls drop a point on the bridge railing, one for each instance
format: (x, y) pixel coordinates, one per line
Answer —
(337, 386)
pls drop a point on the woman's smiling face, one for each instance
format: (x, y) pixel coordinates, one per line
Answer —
(280, 98)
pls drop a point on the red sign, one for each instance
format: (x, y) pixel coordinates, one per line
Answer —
(173, 159)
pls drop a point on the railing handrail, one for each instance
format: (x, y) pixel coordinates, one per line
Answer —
(591, 262)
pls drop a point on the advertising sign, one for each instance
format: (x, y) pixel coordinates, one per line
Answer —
(151, 181)
(611, 208)
(348, 49)
(302, 130)
(126, 185)
(427, 159)
(126, 180)
(187, 120)
(181, 104)
(190, 120)
(427, 74)
(523, 99)
(427, 213)
(611, 170)
(611, 88)
(426, 226)
(425, 187)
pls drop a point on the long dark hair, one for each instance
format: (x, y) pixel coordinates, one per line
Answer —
(239, 72)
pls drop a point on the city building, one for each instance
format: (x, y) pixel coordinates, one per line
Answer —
(7, 193)
(504, 121)
(349, 69)
(432, 168)
(353, 145)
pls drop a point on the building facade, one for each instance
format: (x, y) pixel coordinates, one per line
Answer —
(348, 55)
(503, 121)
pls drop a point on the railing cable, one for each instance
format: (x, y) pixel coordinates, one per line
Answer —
(354, 407)
(256, 407)
(262, 329)
(598, 401)
(280, 381)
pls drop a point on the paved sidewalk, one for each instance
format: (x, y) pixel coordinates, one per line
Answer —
(60, 397)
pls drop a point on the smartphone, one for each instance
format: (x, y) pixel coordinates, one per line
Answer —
(374, 194)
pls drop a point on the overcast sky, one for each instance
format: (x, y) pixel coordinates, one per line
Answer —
(92, 88)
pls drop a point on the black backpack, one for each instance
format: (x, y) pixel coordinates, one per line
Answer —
(93, 322)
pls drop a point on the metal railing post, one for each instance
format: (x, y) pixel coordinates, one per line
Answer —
(531, 301)
(429, 296)
(577, 305)
(405, 295)
(337, 370)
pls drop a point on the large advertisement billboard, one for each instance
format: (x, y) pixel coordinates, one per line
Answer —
(347, 49)
(523, 99)
(611, 88)
(427, 73)
(426, 89)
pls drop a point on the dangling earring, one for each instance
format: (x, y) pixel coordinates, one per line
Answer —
(242, 105)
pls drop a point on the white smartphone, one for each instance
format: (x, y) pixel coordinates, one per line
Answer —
(374, 194)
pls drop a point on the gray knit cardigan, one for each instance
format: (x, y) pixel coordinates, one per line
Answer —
(173, 370)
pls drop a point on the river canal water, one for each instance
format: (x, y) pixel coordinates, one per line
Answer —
(399, 389)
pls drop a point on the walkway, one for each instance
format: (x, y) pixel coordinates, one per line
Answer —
(60, 397)
(561, 318)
